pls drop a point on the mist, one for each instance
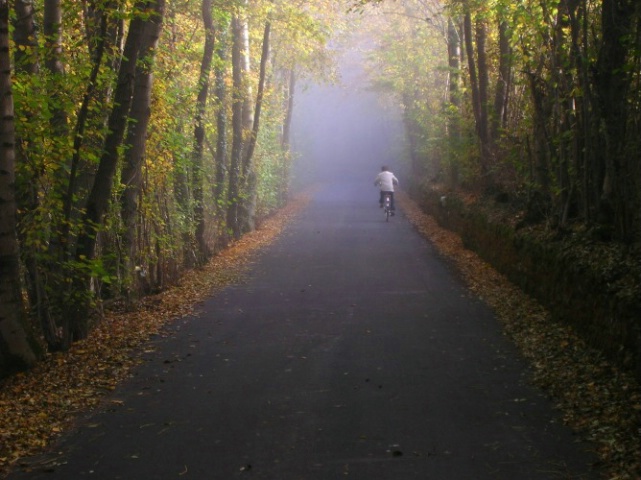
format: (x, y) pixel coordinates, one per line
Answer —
(345, 132)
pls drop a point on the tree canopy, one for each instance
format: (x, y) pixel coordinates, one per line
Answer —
(535, 100)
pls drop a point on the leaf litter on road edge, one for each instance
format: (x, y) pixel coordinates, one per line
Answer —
(38, 405)
(597, 400)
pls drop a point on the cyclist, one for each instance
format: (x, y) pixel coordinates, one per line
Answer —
(386, 181)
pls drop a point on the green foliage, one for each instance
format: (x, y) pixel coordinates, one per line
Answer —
(58, 156)
(408, 64)
(272, 172)
(551, 135)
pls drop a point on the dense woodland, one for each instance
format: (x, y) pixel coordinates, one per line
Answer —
(536, 99)
(138, 138)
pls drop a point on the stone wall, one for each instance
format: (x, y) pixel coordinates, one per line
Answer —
(593, 286)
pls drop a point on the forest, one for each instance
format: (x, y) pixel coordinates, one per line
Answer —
(140, 138)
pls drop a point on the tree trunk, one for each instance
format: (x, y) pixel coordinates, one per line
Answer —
(474, 83)
(221, 120)
(585, 161)
(612, 86)
(251, 144)
(479, 85)
(131, 175)
(100, 194)
(104, 27)
(25, 37)
(16, 349)
(499, 113)
(542, 154)
(454, 93)
(79, 130)
(285, 143)
(53, 58)
(248, 170)
(483, 126)
(98, 13)
(245, 65)
(199, 131)
(233, 193)
(289, 111)
(52, 29)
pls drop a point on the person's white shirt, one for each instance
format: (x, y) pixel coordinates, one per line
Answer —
(386, 180)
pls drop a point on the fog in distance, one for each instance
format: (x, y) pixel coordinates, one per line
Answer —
(345, 132)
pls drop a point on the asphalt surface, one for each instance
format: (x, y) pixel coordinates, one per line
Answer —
(352, 351)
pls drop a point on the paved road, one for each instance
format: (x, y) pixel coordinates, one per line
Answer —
(353, 351)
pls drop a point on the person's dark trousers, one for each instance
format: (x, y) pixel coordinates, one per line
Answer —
(391, 194)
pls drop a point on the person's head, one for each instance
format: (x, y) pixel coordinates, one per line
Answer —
(384, 168)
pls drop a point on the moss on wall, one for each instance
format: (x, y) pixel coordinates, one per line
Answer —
(593, 286)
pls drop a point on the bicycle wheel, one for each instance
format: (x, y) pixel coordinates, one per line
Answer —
(388, 207)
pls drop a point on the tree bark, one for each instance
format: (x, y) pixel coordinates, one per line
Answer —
(16, 351)
(199, 131)
(105, 31)
(589, 172)
(100, 194)
(479, 85)
(221, 120)
(501, 96)
(474, 83)
(131, 175)
(52, 29)
(79, 129)
(454, 97)
(285, 143)
(289, 111)
(620, 186)
(25, 37)
(251, 144)
(104, 27)
(248, 170)
(238, 100)
(483, 126)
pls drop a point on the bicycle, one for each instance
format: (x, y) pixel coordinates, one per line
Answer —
(387, 206)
